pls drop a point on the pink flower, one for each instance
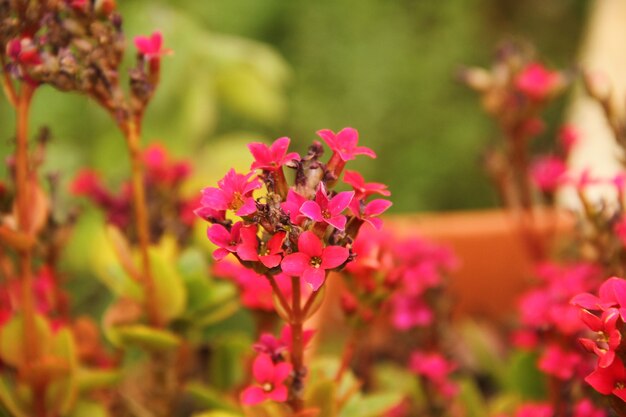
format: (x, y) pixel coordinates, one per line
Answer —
(161, 169)
(612, 293)
(585, 408)
(363, 189)
(273, 157)
(313, 260)
(271, 379)
(292, 205)
(609, 380)
(369, 212)
(536, 82)
(328, 210)
(558, 362)
(409, 311)
(548, 173)
(234, 193)
(434, 367)
(273, 248)
(534, 410)
(609, 337)
(344, 143)
(237, 240)
(151, 46)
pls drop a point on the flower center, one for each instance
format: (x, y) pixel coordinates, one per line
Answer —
(326, 214)
(267, 387)
(237, 201)
(315, 262)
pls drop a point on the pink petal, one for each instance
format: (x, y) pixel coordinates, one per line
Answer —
(143, 44)
(376, 207)
(279, 394)
(314, 277)
(334, 256)
(219, 235)
(591, 320)
(157, 41)
(338, 222)
(600, 381)
(279, 148)
(253, 396)
(295, 264)
(220, 254)
(281, 372)
(263, 368)
(362, 150)
(375, 222)
(274, 245)
(312, 210)
(292, 156)
(586, 300)
(261, 154)
(348, 137)
(310, 244)
(327, 136)
(248, 207)
(214, 198)
(339, 202)
(270, 261)
(247, 252)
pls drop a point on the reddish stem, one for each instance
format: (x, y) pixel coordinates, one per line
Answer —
(132, 133)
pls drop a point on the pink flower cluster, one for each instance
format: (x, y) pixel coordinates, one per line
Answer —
(163, 178)
(435, 370)
(605, 315)
(304, 230)
(270, 368)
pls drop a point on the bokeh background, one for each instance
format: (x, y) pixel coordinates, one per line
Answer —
(259, 69)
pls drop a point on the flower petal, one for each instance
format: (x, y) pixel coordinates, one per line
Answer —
(253, 396)
(362, 150)
(339, 202)
(376, 207)
(219, 235)
(338, 222)
(279, 394)
(314, 277)
(270, 261)
(333, 256)
(295, 264)
(263, 368)
(310, 244)
(312, 210)
(281, 372)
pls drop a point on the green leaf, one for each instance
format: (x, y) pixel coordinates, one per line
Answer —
(62, 392)
(90, 379)
(147, 337)
(323, 395)
(227, 368)
(218, 314)
(12, 339)
(391, 377)
(88, 409)
(472, 399)
(208, 397)
(372, 405)
(523, 376)
(168, 284)
(10, 401)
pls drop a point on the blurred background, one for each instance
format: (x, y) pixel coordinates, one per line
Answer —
(259, 69)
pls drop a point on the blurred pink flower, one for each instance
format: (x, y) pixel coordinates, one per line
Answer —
(273, 157)
(271, 379)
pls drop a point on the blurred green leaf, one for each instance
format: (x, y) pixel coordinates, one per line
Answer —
(472, 399)
(12, 349)
(62, 392)
(147, 337)
(89, 379)
(372, 405)
(208, 397)
(169, 289)
(393, 378)
(227, 368)
(10, 400)
(85, 408)
(523, 376)
(323, 395)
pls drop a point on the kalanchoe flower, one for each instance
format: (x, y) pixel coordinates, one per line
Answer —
(274, 247)
(609, 380)
(558, 362)
(612, 293)
(151, 46)
(536, 82)
(369, 212)
(534, 410)
(271, 379)
(328, 210)
(436, 369)
(609, 337)
(585, 408)
(234, 193)
(344, 143)
(292, 205)
(273, 157)
(313, 260)
(361, 188)
(237, 240)
(548, 173)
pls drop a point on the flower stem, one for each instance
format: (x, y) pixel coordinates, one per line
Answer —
(141, 219)
(279, 294)
(348, 354)
(297, 346)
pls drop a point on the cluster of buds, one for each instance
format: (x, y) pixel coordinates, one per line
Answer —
(78, 46)
(169, 211)
(604, 315)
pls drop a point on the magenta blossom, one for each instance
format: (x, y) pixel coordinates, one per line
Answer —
(271, 256)
(273, 157)
(369, 212)
(234, 193)
(585, 408)
(609, 337)
(271, 378)
(558, 362)
(344, 143)
(328, 210)
(313, 260)
(361, 188)
(151, 46)
(534, 410)
(536, 82)
(435, 368)
(609, 380)
(548, 173)
(612, 293)
(292, 205)
(232, 241)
